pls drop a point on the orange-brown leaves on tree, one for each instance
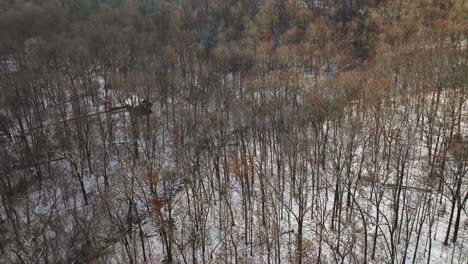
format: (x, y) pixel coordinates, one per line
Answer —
(253, 82)
(116, 80)
(265, 37)
(245, 167)
(293, 35)
(217, 120)
(316, 107)
(265, 50)
(169, 55)
(152, 178)
(279, 77)
(178, 141)
(287, 55)
(351, 82)
(379, 83)
(241, 166)
(375, 89)
(221, 54)
(157, 203)
(309, 252)
(290, 78)
(319, 35)
(203, 53)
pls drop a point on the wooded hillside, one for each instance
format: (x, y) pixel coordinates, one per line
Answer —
(233, 131)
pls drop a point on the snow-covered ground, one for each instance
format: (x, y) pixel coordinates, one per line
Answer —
(231, 217)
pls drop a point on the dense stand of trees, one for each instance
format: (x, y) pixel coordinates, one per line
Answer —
(242, 131)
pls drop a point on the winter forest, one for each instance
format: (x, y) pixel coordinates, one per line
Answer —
(233, 131)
